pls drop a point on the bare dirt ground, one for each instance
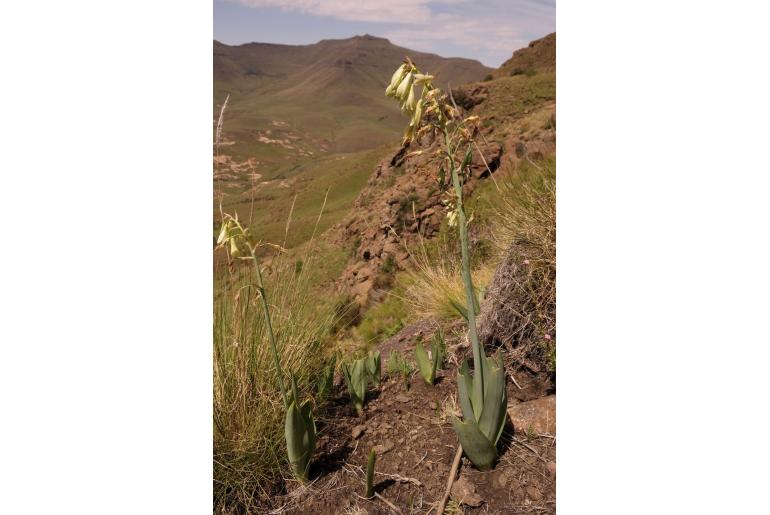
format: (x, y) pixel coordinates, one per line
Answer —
(408, 426)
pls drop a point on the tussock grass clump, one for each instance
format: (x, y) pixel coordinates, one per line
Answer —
(436, 290)
(249, 447)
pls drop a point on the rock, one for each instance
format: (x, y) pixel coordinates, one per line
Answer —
(358, 431)
(533, 493)
(402, 398)
(551, 466)
(538, 415)
(464, 492)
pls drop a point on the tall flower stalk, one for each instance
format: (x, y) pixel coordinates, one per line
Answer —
(300, 429)
(235, 235)
(482, 392)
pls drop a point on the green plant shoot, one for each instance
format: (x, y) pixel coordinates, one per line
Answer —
(370, 474)
(429, 363)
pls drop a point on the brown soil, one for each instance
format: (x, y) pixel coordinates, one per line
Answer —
(409, 428)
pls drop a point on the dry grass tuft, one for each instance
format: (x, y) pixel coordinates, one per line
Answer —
(434, 290)
(249, 450)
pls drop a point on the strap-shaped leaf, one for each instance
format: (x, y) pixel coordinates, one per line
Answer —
(423, 363)
(503, 409)
(294, 389)
(465, 391)
(476, 446)
(296, 443)
(374, 366)
(310, 432)
(459, 308)
(479, 389)
(495, 391)
(359, 375)
(346, 374)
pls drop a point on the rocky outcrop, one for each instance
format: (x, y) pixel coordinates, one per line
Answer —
(401, 202)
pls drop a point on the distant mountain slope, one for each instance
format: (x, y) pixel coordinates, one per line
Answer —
(329, 94)
(538, 56)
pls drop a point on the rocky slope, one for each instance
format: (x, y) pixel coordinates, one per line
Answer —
(402, 201)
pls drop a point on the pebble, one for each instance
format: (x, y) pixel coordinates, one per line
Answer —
(358, 431)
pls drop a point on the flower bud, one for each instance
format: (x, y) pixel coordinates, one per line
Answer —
(417, 114)
(223, 233)
(395, 80)
(234, 250)
(420, 78)
(404, 86)
(410, 102)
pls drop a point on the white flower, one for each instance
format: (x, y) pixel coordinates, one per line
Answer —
(410, 102)
(419, 78)
(404, 86)
(395, 80)
(223, 233)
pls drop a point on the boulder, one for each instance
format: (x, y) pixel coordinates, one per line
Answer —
(539, 415)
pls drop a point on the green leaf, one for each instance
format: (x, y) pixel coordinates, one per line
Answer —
(465, 390)
(297, 441)
(370, 474)
(310, 439)
(467, 160)
(459, 308)
(476, 446)
(495, 392)
(424, 363)
(294, 390)
(374, 366)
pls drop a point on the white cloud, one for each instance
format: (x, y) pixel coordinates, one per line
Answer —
(391, 11)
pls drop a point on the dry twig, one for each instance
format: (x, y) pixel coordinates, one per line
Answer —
(450, 481)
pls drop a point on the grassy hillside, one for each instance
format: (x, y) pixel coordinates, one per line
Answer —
(268, 203)
(304, 119)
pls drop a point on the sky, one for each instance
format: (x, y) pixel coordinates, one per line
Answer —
(486, 30)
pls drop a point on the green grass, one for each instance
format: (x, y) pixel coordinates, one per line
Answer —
(383, 320)
(342, 175)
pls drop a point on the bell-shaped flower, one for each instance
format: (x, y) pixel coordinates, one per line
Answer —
(394, 81)
(404, 86)
(223, 233)
(420, 78)
(411, 101)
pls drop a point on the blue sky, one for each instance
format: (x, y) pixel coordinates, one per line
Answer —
(487, 30)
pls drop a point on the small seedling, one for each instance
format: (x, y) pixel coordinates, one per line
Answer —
(370, 474)
(397, 365)
(356, 376)
(326, 380)
(374, 366)
(300, 433)
(530, 434)
(429, 363)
